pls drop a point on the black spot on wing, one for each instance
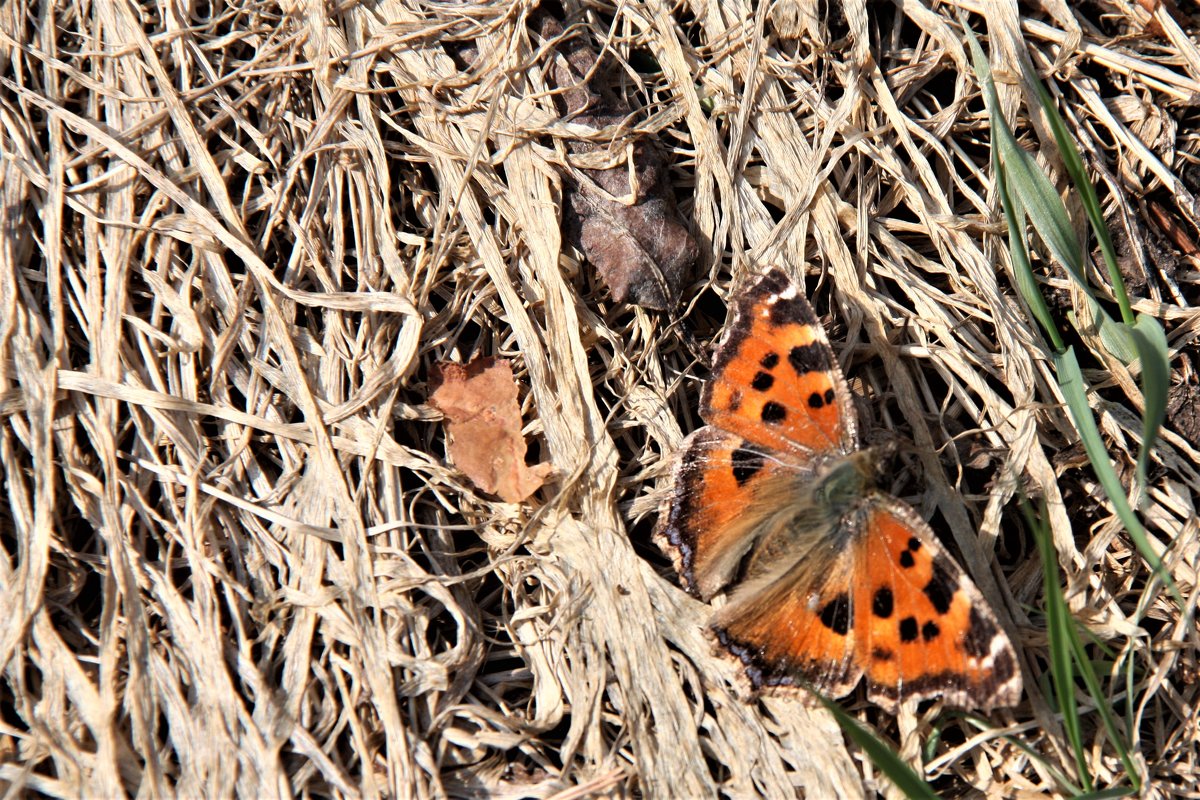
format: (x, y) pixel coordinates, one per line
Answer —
(908, 629)
(883, 603)
(763, 381)
(940, 589)
(930, 631)
(1004, 666)
(816, 401)
(773, 412)
(811, 357)
(906, 559)
(769, 361)
(792, 311)
(882, 654)
(835, 615)
(746, 463)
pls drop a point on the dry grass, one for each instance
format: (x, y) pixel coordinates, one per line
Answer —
(235, 239)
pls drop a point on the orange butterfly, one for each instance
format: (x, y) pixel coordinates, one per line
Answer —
(832, 579)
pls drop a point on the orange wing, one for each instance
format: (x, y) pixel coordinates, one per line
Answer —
(726, 493)
(775, 381)
(923, 628)
(796, 628)
(877, 596)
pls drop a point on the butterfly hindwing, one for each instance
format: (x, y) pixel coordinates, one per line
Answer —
(888, 603)
(797, 630)
(775, 379)
(726, 492)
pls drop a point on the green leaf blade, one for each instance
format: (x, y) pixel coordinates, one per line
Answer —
(1151, 342)
(881, 754)
(1074, 391)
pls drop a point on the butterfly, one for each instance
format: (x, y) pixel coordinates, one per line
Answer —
(829, 579)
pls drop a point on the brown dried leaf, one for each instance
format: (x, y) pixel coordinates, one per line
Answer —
(640, 247)
(483, 427)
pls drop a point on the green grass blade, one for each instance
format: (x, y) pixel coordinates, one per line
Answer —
(1073, 163)
(1129, 670)
(1018, 251)
(1068, 658)
(881, 754)
(1148, 341)
(1014, 212)
(1088, 673)
(1104, 794)
(1060, 631)
(1045, 208)
(1074, 391)
(1142, 337)
(1028, 181)
(1151, 342)
(1114, 334)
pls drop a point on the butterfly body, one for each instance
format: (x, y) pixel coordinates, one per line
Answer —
(829, 579)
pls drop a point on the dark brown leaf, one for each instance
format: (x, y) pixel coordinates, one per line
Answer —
(641, 249)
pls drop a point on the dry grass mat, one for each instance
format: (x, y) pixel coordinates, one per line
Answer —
(237, 558)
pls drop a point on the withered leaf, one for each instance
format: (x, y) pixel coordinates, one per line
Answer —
(483, 427)
(642, 250)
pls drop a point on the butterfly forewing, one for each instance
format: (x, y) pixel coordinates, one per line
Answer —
(775, 379)
(924, 630)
